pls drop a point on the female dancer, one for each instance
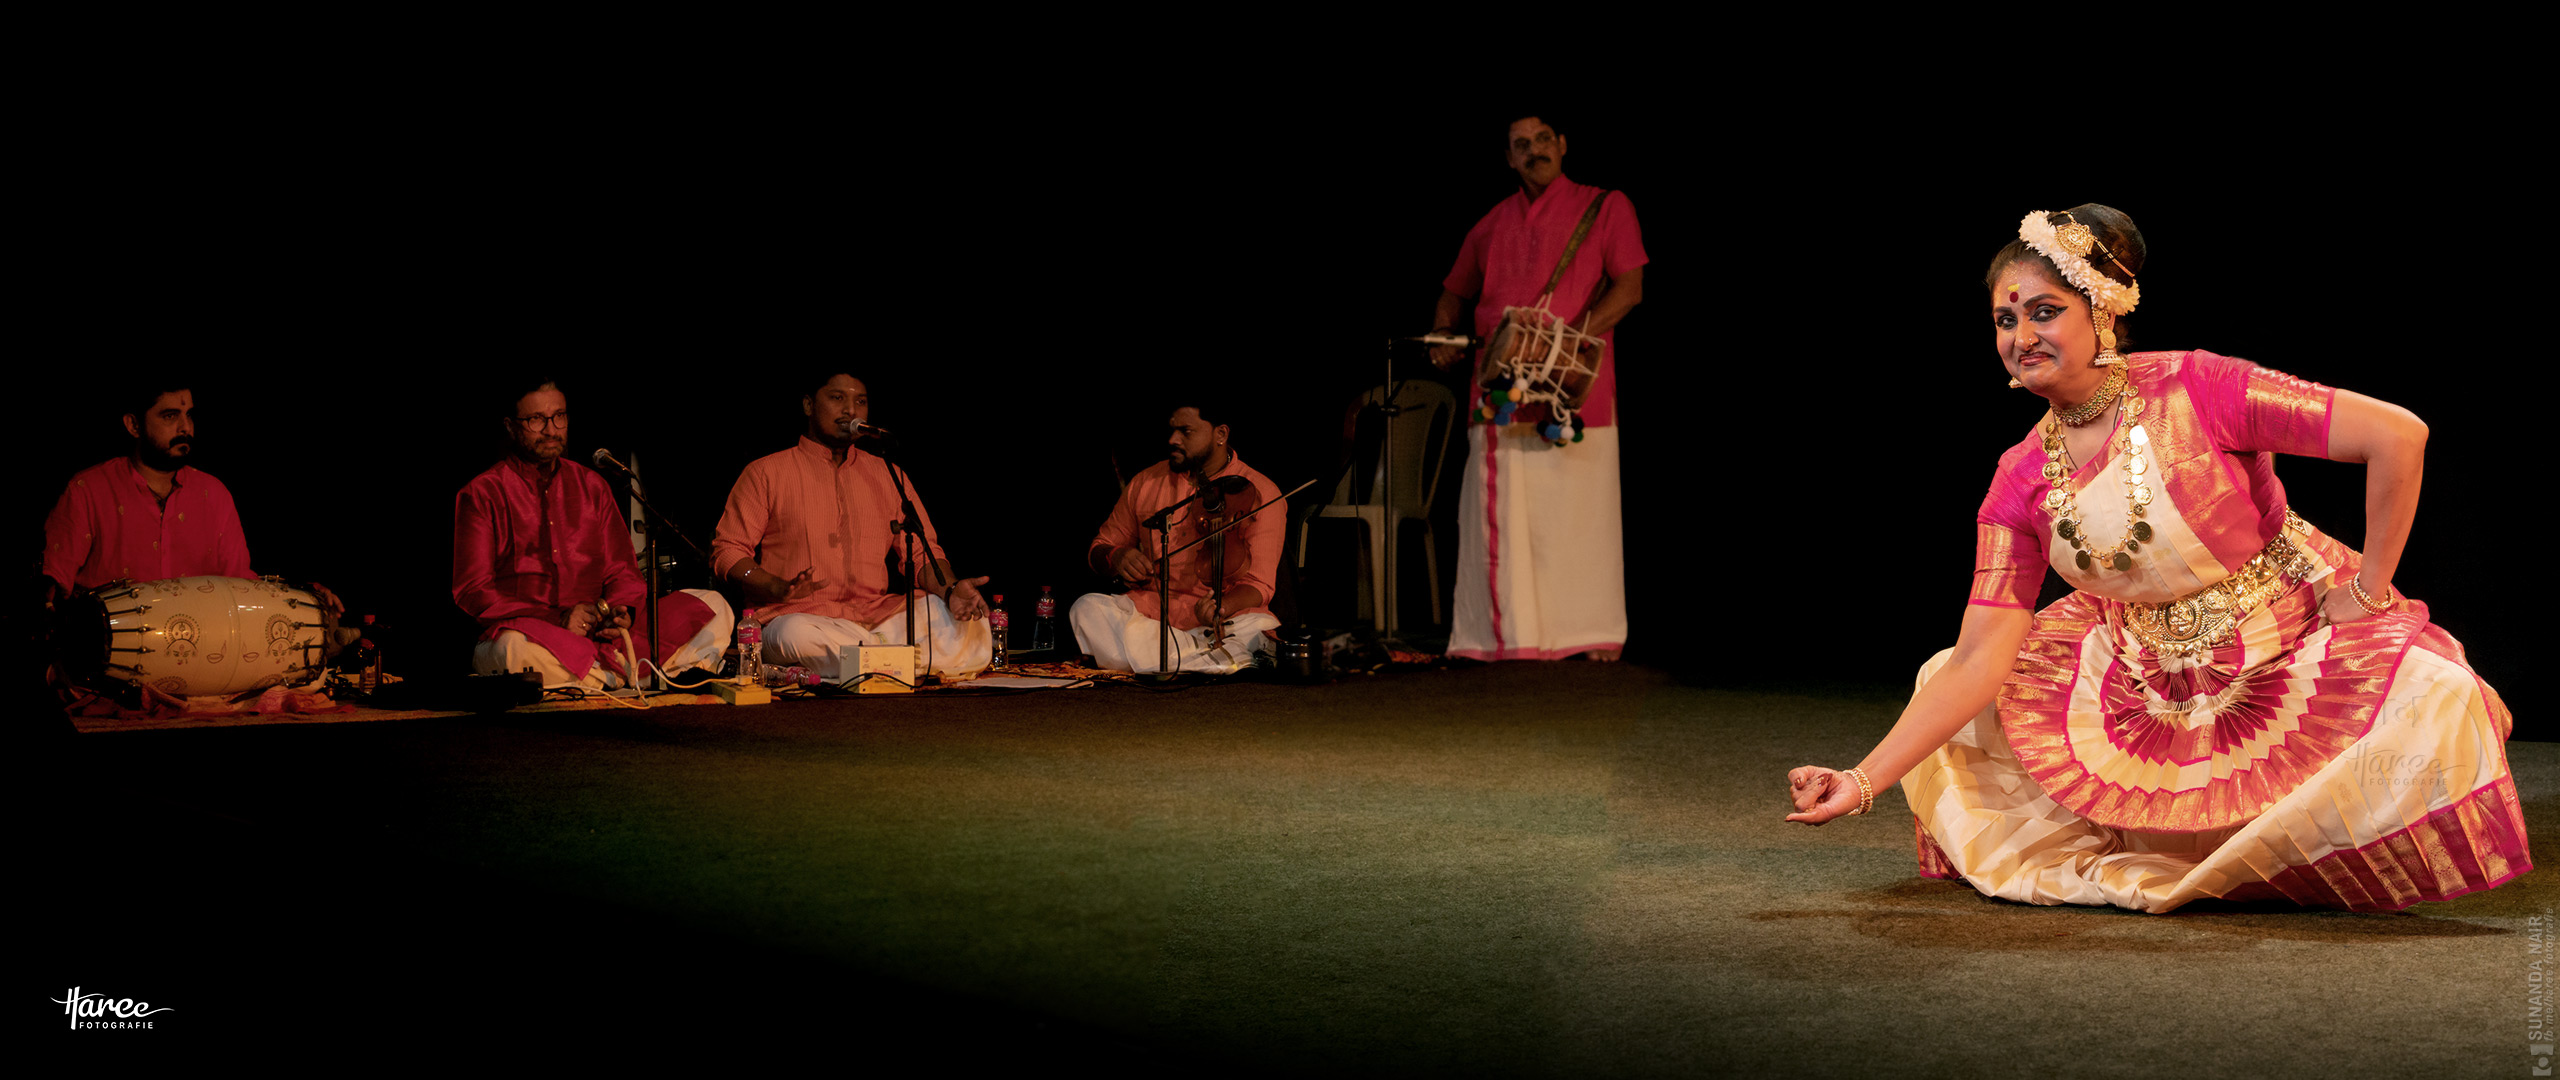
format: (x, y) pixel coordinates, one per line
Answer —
(2232, 704)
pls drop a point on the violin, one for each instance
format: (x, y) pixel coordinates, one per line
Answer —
(1217, 511)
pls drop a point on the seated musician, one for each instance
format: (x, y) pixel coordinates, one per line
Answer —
(542, 557)
(1220, 590)
(146, 516)
(810, 537)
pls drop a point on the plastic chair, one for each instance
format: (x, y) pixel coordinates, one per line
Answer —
(1424, 431)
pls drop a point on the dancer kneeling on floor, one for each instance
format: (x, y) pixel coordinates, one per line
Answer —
(2233, 703)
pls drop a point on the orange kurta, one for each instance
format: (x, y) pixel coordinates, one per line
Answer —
(1252, 548)
(800, 510)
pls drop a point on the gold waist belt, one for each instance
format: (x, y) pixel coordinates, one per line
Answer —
(2209, 618)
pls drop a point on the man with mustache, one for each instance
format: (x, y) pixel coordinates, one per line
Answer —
(1217, 630)
(542, 557)
(826, 514)
(1541, 570)
(149, 515)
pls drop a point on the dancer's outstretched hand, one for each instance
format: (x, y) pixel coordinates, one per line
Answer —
(1820, 794)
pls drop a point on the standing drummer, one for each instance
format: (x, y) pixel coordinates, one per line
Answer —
(1541, 569)
(148, 515)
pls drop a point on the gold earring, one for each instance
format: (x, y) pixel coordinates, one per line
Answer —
(2106, 324)
(2014, 384)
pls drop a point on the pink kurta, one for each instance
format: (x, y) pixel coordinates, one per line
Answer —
(1508, 256)
(1541, 572)
(526, 549)
(2358, 765)
(800, 510)
(108, 526)
(1252, 548)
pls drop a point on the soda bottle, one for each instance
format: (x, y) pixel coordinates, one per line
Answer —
(999, 631)
(750, 649)
(368, 659)
(1044, 631)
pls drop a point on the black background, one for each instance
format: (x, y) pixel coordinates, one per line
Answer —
(1810, 405)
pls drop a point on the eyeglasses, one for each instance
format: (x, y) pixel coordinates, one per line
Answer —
(537, 423)
(1545, 138)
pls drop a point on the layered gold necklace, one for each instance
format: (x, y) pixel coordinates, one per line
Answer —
(2132, 442)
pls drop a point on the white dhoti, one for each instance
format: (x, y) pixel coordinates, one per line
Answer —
(511, 651)
(1541, 567)
(1120, 639)
(819, 644)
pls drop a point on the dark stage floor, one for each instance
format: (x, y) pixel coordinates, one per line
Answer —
(1565, 868)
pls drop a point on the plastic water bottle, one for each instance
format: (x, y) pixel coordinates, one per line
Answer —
(750, 649)
(778, 678)
(1044, 631)
(999, 630)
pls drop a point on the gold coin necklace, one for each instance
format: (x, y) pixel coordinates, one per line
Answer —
(2131, 441)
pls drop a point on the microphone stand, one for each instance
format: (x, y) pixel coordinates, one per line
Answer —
(1387, 412)
(910, 525)
(1162, 523)
(649, 527)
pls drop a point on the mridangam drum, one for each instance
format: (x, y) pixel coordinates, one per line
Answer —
(196, 636)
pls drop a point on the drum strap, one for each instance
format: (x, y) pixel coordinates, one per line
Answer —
(1589, 214)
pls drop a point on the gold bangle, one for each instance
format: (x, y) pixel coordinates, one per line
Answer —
(1866, 791)
(2365, 600)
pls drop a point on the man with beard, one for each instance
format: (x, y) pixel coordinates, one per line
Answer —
(1218, 630)
(1541, 569)
(827, 513)
(146, 516)
(542, 557)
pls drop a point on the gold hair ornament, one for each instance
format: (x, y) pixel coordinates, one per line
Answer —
(2068, 249)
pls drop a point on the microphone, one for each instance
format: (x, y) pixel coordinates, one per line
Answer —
(865, 430)
(605, 462)
(1211, 497)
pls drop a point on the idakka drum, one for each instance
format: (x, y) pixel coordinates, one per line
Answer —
(1538, 359)
(195, 636)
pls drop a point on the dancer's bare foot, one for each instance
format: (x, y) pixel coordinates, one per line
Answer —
(1605, 656)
